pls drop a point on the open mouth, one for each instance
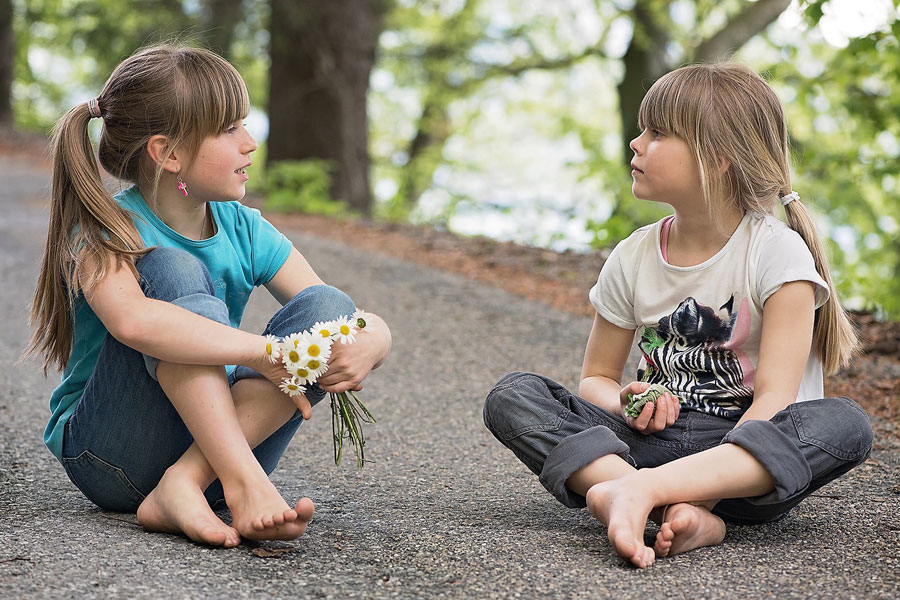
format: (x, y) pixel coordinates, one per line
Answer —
(241, 171)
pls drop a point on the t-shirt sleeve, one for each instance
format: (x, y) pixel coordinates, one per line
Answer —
(613, 295)
(269, 248)
(786, 258)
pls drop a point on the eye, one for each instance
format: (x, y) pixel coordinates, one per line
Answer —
(656, 133)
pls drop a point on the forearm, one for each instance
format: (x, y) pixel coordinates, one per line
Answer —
(173, 334)
(603, 392)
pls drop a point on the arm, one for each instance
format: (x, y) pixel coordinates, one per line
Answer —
(604, 362)
(349, 363)
(158, 328)
(787, 330)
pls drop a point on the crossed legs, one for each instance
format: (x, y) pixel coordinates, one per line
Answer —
(226, 425)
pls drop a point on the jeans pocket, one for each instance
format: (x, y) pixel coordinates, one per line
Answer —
(836, 425)
(104, 484)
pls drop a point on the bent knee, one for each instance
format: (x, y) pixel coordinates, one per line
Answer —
(325, 302)
(519, 403)
(837, 425)
(169, 273)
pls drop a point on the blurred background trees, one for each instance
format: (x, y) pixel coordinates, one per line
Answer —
(502, 117)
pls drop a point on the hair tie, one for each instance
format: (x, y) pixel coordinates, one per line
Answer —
(94, 108)
(788, 198)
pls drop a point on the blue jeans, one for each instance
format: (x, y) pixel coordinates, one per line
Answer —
(555, 433)
(125, 433)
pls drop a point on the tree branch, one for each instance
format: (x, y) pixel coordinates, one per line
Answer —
(753, 19)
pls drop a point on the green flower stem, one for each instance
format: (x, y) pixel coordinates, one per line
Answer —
(347, 415)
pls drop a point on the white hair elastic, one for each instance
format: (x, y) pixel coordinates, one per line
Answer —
(788, 198)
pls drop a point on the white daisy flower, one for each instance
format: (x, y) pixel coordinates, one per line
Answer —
(326, 330)
(292, 387)
(304, 375)
(319, 349)
(316, 368)
(346, 332)
(294, 348)
(359, 318)
(273, 352)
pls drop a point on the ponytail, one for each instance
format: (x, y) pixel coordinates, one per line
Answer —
(87, 226)
(835, 340)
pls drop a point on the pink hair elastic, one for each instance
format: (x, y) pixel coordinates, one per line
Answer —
(94, 108)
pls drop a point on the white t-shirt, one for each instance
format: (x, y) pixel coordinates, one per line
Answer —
(700, 326)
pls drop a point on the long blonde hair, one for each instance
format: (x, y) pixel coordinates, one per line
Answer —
(727, 112)
(185, 94)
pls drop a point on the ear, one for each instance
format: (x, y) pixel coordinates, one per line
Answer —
(724, 165)
(159, 153)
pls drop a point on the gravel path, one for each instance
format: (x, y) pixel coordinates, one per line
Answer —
(443, 511)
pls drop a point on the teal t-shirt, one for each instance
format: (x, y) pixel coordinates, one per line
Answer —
(245, 252)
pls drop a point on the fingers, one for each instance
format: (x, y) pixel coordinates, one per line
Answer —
(303, 406)
(658, 416)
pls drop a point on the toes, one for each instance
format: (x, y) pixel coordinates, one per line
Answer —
(305, 509)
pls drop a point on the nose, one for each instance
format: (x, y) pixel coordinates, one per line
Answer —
(635, 144)
(250, 144)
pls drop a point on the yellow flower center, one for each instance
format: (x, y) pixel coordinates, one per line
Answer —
(345, 330)
(294, 356)
(313, 350)
(302, 373)
(313, 364)
(269, 349)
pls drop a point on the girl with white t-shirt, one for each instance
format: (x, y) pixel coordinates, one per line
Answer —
(735, 314)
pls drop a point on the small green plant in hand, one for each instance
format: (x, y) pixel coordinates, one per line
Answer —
(636, 402)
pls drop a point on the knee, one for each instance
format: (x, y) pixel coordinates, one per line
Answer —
(512, 405)
(322, 303)
(838, 425)
(169, 273)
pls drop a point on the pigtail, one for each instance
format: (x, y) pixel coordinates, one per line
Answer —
(835, 339)
(86, 226)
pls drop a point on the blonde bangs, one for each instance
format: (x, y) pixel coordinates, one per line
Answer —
(672, 105)
(213, 96)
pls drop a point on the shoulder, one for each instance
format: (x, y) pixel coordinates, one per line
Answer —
(773, 239)
(642, 240)
(781, 256)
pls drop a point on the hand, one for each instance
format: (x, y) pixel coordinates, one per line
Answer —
(350, 364)
(666, 411)
(276, 373)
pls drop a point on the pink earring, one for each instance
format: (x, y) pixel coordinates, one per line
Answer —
(182, 186)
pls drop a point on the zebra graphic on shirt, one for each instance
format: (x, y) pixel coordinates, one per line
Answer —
(695, 353)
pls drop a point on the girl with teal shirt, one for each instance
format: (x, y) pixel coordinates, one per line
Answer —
(165, 407)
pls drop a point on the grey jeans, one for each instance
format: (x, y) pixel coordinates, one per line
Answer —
(555, 433)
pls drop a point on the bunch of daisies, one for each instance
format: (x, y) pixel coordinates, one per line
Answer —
(305, 356)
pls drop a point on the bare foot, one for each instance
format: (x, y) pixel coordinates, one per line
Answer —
(177, 505)
(260, 513)
(623, 506)
(686, 527)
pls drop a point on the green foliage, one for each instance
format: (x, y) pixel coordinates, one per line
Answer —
(846, 140)
(301, 186)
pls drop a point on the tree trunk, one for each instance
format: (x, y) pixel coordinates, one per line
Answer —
(322, 52)
(7, 60)
(221, 17)
(645, 62)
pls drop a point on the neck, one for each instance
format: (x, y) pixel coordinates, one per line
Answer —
(182, 214)
(695, 237)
